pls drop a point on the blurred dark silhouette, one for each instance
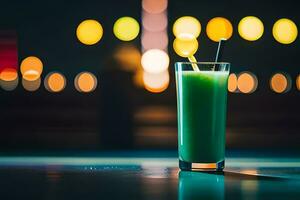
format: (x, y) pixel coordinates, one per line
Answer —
(116, 107)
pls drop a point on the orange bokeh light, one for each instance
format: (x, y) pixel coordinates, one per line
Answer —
(55, 82)
(85, 82)
(154, 6)
(8, 74)
(219, 28)
(280, 83)
(31, 75)
(138, 78)
(247, 82)
(31, 68)
(129, 57)
(232, 83)
(298, 82)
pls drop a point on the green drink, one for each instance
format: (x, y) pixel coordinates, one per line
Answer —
(201, 103)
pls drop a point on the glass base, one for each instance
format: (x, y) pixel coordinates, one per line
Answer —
(208, 167)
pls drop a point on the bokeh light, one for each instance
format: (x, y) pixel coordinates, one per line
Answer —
(9, 85)
(85, 82)
(251, 28)
(89, 32)
(128, 56)
(126, 28)
(154, 25)
(8, 74)
(232, 83)
(285, 31)
(155, 40)
(154, 6)
(187, 25)
(31, 86)
(298, 82)
(156, 83)
(280, 83)
(185, 46)
(8, 48)
(154, 22)
(138, 78)
(247, 82)
(55, 82)
(219, 28)
(155, 61)
(31, 68)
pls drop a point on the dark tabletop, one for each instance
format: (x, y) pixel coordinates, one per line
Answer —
(146, 175)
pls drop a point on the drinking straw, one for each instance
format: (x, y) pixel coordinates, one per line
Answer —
(220, 50)
(193, 60)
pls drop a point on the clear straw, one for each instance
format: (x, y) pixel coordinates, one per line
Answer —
(220, 50)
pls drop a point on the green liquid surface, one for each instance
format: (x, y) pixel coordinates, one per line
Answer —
(202, 102)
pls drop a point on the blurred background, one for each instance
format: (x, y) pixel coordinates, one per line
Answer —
(98, 75)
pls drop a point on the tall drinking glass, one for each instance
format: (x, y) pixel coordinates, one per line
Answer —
(201, 106)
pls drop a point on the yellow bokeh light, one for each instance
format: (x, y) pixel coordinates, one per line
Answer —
(126, 28)
(219, 28)
(89, 32)
(285, 31)
(232, 83)
(247, 82)
(155, 61)
(31, 68)
(85, 82)
(156, 83)
(185, 46)
(55, 82)
(187, 25)
(8, 74)
(298, 82)
(251, 28)
(280, 83)
(31, 85)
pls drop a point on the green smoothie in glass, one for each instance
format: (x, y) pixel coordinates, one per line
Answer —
(201, 103)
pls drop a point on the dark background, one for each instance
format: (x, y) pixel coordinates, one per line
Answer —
(120, 115)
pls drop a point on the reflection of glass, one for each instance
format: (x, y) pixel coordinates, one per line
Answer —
(195, 185)
(201, 103)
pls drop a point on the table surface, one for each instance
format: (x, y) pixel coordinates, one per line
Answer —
(147, 175)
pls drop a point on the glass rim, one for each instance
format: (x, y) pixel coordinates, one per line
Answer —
(206, 63)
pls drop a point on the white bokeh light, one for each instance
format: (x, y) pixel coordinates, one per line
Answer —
(156, 83)
(155, 61)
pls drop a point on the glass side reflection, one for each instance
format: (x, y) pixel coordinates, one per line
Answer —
(196, 185)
